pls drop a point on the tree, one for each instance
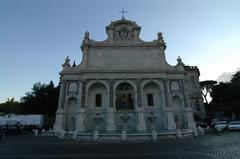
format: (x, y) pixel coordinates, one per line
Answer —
(226, 96)
(11, 106)
(236, 78)
(43, 99)
(206, 87)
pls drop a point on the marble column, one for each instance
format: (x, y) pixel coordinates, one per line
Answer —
(110, 110)
(58, 125)
(141, 125)
(80, 113)
(139, 93)
(111, 93)
(167, 93)
(188, 110)
(79, 95)
(169, 107)
(163, 115)
(83, 95)
(62, 95)
(185, 93)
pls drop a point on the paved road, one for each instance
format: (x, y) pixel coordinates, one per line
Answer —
(211, 146)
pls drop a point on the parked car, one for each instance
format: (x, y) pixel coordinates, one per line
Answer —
(234, 125)
(220, 125)
(214, 121)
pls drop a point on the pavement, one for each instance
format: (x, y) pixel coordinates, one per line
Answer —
(224, 145)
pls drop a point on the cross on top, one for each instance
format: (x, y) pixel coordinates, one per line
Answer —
(122, 11)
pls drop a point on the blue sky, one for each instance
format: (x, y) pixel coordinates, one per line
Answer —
(36, 36)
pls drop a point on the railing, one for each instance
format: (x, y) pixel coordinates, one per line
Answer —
(123, 136)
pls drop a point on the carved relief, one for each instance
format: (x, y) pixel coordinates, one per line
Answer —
(73, 87)
(175, 86)
(123, 34)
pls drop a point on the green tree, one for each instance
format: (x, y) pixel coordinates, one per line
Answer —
(11, 106)
(226, 96)
(43, 99)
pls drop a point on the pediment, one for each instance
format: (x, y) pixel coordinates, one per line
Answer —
(123, 30)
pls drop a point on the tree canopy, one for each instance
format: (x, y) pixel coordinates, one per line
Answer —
(42, 99)
(226, 96)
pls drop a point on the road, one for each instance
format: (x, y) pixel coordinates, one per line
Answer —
(224, 145)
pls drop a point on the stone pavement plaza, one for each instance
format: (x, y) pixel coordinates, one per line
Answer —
(224, 145)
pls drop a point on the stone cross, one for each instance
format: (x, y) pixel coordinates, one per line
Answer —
(122, 11)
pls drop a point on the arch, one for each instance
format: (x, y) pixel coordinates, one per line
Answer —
(117, 83)
(158, 83)
(70, 119)
(97, 95)
(151, 94)
(124, 96)
(97, 81)
(178, 112)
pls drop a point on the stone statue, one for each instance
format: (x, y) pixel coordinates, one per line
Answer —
(86, 36)
(66, 63)
(160, 37)
(116, 35)
(130, 35)
(180, 61)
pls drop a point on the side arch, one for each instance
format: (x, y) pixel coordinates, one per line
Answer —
(99, 89)
(151, 94)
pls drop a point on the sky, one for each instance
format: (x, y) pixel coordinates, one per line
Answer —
(37, 35)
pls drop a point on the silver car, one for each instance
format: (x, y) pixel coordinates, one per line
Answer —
(234, 125)
(220, 125)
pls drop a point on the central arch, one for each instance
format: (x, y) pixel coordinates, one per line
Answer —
(124, 97)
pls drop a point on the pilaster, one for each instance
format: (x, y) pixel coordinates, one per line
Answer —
(62, 95)
(83, 95)
(141, 125)
(139, 93)
(167, 93)
(58, 126)
(185, 94)
(110, 110)
(111, 93)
